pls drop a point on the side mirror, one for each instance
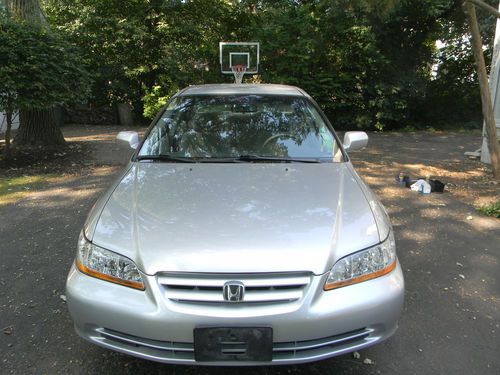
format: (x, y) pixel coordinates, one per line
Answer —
(355, 141)
(130, 137)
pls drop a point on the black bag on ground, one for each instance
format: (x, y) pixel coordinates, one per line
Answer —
(436, 186)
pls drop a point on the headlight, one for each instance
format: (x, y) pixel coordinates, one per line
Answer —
(106, 265)
(363, 265)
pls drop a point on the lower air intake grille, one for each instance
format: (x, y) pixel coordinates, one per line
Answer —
(282, 351)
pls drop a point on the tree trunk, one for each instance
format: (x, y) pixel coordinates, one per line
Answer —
(6, 151)
(489, 118)
(125, 114)
(26, 10)
(38, 128)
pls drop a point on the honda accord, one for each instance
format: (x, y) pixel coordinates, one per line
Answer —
(238, 234)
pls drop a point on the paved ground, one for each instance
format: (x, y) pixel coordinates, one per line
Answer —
(450, 255)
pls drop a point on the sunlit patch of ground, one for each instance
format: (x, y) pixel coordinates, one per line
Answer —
(96, 133)
(49, 189)
(92, 138)
(63, 189)
(14, 188)
(419, 237)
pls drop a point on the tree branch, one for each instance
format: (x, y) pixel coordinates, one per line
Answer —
(485, 6)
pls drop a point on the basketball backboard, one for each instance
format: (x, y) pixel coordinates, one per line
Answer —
(233, 54)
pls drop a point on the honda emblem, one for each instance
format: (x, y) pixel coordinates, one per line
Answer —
(233, 291)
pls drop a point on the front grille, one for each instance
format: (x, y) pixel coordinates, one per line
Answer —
(262, 288)
(282, 351)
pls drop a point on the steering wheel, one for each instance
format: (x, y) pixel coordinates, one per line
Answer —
(274, 136)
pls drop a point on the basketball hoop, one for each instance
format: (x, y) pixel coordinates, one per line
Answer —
(239, 58)
(238, 72)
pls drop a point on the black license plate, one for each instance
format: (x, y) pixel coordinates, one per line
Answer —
(233, 344)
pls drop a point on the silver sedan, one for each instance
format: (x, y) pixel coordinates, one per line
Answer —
(238, 234)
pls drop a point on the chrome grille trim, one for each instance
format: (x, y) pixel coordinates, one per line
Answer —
(219, 281)
(327, 341)
(139, 341)
(206, 288)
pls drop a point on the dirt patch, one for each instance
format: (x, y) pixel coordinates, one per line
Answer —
(38, 175)
(439, 155)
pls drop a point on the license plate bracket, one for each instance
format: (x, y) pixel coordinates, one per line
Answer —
(253, 344)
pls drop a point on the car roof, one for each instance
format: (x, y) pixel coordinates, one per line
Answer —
(243, 89)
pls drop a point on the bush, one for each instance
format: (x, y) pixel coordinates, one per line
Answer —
(156, 99)
(492, 209)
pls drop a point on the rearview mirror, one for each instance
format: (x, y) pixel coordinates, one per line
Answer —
(130, 137)
(355, 141)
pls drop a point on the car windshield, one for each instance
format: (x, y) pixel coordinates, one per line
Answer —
(239, 126)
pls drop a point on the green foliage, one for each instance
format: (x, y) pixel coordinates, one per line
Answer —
(155, 100)
(367, 69)
(367, 62)
(327, 49)
(492, 209)
(38, 68)
(134, 46)
(451, 95)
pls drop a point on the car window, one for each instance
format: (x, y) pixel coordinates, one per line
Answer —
(234, 125)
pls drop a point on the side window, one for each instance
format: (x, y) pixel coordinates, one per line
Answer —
(327, 145)
(159, 140)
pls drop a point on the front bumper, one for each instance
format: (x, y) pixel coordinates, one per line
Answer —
(319, 325)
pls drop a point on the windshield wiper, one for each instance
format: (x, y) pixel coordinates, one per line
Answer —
(168, 158)
(241, 158)
(254, 158)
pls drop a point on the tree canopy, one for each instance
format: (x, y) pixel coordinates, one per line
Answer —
(370, 64)
(38, 68)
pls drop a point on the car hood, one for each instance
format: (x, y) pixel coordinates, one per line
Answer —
(235, 218)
